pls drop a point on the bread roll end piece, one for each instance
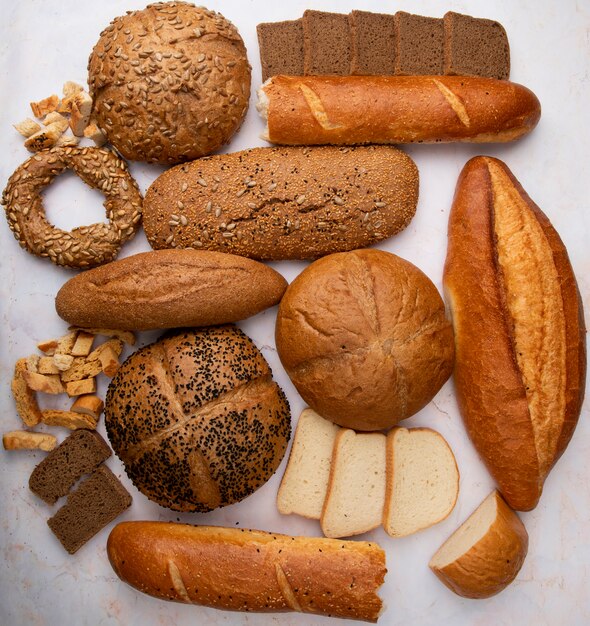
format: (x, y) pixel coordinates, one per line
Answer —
(485, 553)
(262, 108)
(249, 570)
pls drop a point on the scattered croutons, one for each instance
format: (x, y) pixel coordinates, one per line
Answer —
(92, 131)
(81, 387)
(47, 366)
(48, 347)
(83, 344)
(56, 120)
(28, 127)
(68, 419)
(63, 362)
(47, 383)
(25, 398)
(71, 88)
(88, 405)
(26, 440)
(42, 140)
(43, 107)
(80, 113)
(124, 335)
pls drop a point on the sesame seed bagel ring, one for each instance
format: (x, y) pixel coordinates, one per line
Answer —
(84, 246)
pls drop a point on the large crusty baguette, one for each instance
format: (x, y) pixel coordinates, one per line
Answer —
(283, 203)
(169, 289)
(519, 329)
(350, 110)
(249, 570)
(484, 555)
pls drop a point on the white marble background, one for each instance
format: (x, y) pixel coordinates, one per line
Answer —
(43, 44)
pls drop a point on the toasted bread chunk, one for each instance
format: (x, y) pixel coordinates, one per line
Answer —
(48, 347)
(43, 107)
(63, 362)
(66, 342)
(88, 405)
(42, 140)
(28, 127)
(26, 440)
(81, 387)
(33, 363)
(56, 120)
(47, 383)
(71, 88)
(47, 366)
(67, 140)
(109, 361)
(68, 419)
(92, 131)
(126, 336)
(83, 344)
(80, 113)
(82, 367)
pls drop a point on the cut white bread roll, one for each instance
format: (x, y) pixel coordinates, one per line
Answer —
(356, 489)
(422, 480)
(484, 555)
(305, 481)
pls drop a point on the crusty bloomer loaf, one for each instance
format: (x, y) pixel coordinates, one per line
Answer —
(283, 203)
(519, 329)
(169, 289)
(364, 338)
(249, 570)
(170, 82)
(197, 419)
(347, 110)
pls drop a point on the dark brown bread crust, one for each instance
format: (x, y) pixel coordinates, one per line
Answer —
(397, 109)
(490, 388)
(197, 419)
(170, 82)
(169, 289)
(283, 203)
(249, 570)
(364, 338)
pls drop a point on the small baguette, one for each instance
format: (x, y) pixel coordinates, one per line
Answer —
(484, 555)
(520, 365)
(169, 289)
(249, 570)
(283, 203)
(347, 110)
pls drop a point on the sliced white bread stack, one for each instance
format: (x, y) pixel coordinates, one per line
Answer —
(305, 482)
(354, 482)
(484, 555)
(422, 480)
(356, 489)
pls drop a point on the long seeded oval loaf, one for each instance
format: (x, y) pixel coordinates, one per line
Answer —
(169, 289)
(249, 570)
(347, 110)
(520, 364)
(283, 203)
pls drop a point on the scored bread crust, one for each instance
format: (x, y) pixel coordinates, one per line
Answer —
(249, 570)
(491, 563)
(491, 391)
(396, 109)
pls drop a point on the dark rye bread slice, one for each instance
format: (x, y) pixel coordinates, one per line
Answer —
(281, 48)
(326, 44)
(99, 499)
(475, 47)
(372, 38)
(82, 452)
(419, 41)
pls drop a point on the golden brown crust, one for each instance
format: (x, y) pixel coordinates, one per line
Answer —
(516, 438)
(249, 570)
(493, 562)
(170, 289)
(283, 203)
(397, 109)
(84, 246)
(170, 83)
(24, 397)
(364, 338)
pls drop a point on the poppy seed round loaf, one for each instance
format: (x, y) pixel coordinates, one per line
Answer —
(197, 419)
(169, 83)
(364, 337)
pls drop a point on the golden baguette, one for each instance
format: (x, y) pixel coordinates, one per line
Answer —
(347, 110)
(520, 363)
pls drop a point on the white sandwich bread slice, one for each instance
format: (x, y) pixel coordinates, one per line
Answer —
(356, 489)
(305, 481)
(484, 555)
(422, 480)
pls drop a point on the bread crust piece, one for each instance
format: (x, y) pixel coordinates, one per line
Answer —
(518, 440)
(396, 109)
(168, 289)
(183, 89)
(493, 562)
(249, 570)
(283, 203)
(364, 337)
(25, 398)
